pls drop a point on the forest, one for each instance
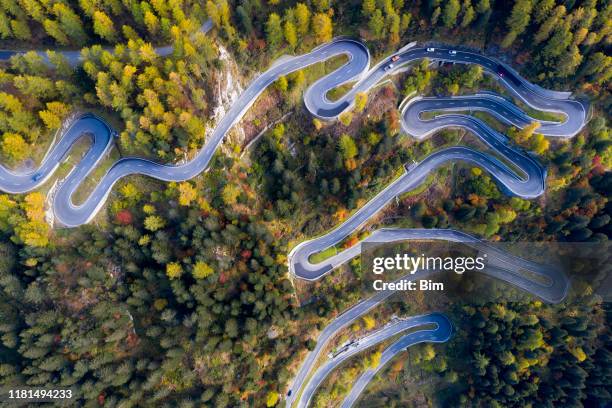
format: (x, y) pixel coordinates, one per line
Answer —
(178, 293)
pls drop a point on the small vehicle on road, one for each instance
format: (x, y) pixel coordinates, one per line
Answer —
(452, 52)
(410, 166)
(388, 67)
(289, 393)
(36, 177)
(395, 58)
(430, 49)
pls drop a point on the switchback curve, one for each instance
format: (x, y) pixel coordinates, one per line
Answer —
(71, 215)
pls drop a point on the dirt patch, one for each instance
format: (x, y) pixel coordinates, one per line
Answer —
(381, 101)
(264, 111)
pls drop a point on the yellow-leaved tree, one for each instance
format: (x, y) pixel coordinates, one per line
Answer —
(14, 147)
(187, 193)
(201, 270)
(174, 270)
(30, 228)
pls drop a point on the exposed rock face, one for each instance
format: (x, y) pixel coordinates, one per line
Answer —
(228, 90)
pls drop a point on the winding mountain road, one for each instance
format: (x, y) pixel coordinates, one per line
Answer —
(356, 69)
(442, 333)
(439, 334)
(527, 182)
(542, 280)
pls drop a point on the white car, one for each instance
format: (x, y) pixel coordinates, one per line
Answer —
(431, 49)
(452, 52)
(388, 67)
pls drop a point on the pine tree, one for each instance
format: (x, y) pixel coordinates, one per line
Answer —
(274, 32)
(302, 17)
(70, 23)
(518, 21)
(450, 13)
(104, 27)
(213, 13)
(548, 25)
(290, 34)
(322, 27)
(376, 24)
(468, 13)
(53, 29)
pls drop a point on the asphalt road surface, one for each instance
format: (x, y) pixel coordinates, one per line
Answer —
(543, 281)
(531, 184)
(528, 183)
(439, 334)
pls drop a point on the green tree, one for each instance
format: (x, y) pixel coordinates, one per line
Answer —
(368, 7)
(405, 23)
(483, 6)
(54, 30)
(570, 62)
(290, 34)
(597, 64)
(302, 17)
(548, 25)
(394, 22)
(5, 26)
(230, 193)
(321, 5)
(435, 16)
(151, 22)
(450, 13)
(21, 29)
(518, 21)
(346, 118)
(468, 13)
(376, 24)
(274, 31)
(213, 13)
(558, 43)
(104, 26)
(71, 23)
(542, 9)
(347, 147)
